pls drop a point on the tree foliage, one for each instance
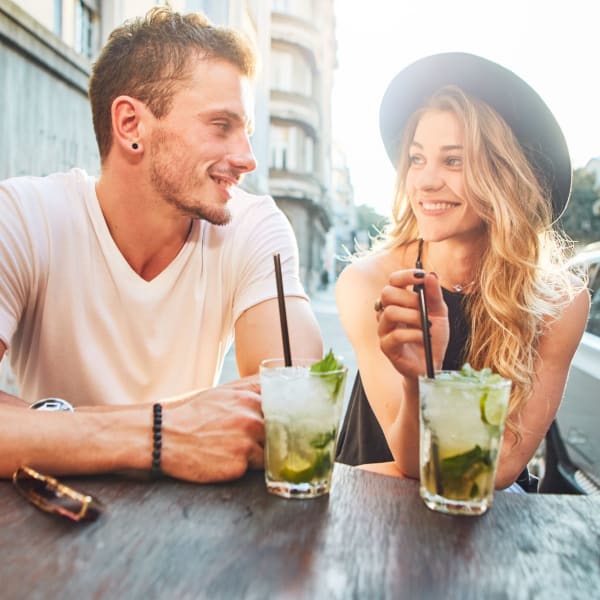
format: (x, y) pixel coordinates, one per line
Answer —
(369, 220)
(581, 220)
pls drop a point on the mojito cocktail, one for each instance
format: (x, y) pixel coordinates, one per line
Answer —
(302, 410)
(462, 416)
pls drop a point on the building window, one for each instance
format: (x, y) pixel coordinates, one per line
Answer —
(58, 16)
(309, 153)
(281, 71)
(290, 73)
(84, 28)
(279, 144)
(296, 8)
(292, 149)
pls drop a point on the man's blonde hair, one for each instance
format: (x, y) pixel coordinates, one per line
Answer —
(150, 58)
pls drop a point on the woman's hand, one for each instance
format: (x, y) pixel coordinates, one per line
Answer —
(399, 329)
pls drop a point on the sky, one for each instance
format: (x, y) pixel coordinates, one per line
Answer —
(551, 44)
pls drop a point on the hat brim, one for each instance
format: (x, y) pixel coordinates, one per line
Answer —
(514, 100)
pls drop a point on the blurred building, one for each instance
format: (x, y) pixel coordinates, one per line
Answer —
(46, 52)
(302, 64)
(345, 220)
(45, 119)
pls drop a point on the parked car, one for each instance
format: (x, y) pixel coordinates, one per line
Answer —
(569, 459)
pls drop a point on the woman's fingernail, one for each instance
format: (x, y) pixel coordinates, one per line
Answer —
(434, 274)
(419, 274)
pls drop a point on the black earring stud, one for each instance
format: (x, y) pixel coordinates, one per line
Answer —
(135, 145)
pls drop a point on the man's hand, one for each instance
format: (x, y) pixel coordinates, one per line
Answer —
(208, 435)
(215, 434)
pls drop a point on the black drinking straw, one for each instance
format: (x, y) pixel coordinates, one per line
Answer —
(420, 289)
(282, 314)
(435, 455)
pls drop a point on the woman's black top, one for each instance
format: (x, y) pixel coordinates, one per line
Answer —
(361, 438)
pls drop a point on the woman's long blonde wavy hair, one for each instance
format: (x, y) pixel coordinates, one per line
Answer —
(522, 282)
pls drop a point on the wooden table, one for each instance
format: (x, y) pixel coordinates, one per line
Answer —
(371, 538)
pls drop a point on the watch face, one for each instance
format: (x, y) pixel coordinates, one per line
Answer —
(52, 404)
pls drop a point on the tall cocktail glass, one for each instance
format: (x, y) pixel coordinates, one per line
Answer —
(461, 425)
(302, 412)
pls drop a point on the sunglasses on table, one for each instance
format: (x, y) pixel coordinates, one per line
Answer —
(49, 495)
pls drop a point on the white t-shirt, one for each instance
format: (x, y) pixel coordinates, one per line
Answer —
(80, 324)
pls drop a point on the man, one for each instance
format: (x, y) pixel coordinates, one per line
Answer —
(122, 292)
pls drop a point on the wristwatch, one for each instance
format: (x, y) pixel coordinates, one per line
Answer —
(52, 404)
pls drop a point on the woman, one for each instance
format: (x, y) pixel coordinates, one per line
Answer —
(483, 171)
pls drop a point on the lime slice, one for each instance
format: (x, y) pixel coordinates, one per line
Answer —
(492, 405)
(297, 469)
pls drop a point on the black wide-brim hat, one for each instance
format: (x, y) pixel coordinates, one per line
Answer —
(515, 101)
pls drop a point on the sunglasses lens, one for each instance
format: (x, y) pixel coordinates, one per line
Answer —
(70, 507)
(48, 496)
(33, 487)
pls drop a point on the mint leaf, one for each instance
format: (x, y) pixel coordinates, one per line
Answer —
(327, 364)
(322, 463)
(458, 473)
(321, 440)
(466, 464)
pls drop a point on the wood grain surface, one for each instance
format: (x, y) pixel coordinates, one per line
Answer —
(372, 537)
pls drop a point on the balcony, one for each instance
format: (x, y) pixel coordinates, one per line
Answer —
(294, 184)
(290, 106)
(290, 29)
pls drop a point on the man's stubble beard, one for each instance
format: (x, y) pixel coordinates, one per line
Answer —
(212, 214)
(165, 178)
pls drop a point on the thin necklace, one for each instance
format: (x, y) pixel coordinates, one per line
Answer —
(458, 287)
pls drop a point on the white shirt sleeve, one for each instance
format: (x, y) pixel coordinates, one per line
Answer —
(263, 231)
(16, 259)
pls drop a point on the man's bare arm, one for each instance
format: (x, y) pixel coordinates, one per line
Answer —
(258, 334)
(212, 435)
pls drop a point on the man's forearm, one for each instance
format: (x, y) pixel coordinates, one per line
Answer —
(10, 400)
(208, 436)
(63, 443)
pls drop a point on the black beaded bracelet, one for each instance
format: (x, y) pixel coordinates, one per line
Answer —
(156, 439)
